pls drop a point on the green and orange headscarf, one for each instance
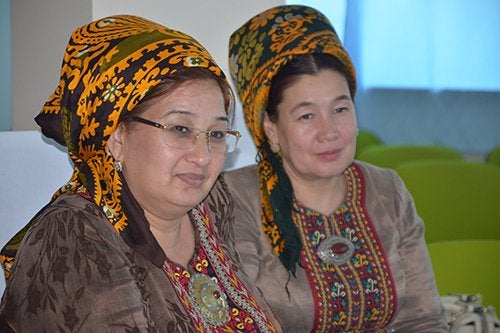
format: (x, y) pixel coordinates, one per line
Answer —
(108, 67)
(257, 51)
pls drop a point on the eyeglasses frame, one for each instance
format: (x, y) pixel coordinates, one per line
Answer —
(148, 122)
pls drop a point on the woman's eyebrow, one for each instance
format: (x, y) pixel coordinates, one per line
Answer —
(342, 98)
(300, 105)
(303, 104)
(177, 111)
(190, 114)
(222, 118)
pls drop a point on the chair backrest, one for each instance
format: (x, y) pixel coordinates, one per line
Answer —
(494, 156)
(468, 266)
(366, 139)
(390, 156)
(32, 168)
(456, 199)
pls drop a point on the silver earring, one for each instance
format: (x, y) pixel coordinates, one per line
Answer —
(118, 166)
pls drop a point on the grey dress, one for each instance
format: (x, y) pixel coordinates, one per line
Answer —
(400, 232)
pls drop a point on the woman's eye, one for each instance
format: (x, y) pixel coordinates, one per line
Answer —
(306, 116)
(180, 130)
(340, 110)
(217, 135)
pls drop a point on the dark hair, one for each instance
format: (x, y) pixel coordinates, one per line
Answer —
(169, 85)
(311, 63)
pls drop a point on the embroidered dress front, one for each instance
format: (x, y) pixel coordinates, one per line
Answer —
(360, 294)
(226, 305)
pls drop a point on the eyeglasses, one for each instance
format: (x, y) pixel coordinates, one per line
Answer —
(186, 137)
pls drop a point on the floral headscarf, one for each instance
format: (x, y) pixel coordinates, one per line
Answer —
(257, 51)
(108, 67)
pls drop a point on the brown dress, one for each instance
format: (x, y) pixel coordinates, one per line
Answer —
(389, 232)
(75, 273)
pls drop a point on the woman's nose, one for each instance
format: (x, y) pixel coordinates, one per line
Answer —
(201, 152)
(327, 129)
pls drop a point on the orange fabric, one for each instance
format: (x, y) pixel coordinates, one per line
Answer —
(257, 51)
(108, 67)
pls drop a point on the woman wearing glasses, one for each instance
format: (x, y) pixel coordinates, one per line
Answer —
(137, 240)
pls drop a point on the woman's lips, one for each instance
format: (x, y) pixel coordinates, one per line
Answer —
(192, 179)
(329, 155)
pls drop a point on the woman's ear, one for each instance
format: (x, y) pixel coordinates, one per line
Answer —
(115, 143)
(270, 130)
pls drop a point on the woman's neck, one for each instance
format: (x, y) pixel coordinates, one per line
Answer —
(175, 237)
(323, 196)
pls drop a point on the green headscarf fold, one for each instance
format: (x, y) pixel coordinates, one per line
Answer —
(257, 51)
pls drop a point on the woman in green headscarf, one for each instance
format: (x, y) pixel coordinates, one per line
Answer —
(138, 239)
(332, 244)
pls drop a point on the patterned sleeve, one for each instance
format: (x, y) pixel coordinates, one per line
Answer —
(221, 206)
(245, 216)
(72, 274)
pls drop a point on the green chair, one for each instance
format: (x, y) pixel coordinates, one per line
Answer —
(366, 139)
(389, 156)
(468, 267)
(494, 156)
(456, 199)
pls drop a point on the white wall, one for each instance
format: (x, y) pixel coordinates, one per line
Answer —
(35, 168)
(5, 67)
(40, 31)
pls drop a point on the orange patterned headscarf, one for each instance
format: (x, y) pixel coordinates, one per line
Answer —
(257, 51)
(108, 67)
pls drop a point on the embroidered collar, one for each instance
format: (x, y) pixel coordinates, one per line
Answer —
(360, 294)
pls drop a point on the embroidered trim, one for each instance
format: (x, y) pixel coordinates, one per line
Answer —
(215, 264)
(358, 295)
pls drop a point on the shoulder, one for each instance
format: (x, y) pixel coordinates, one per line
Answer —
(221, 208)
(385, 196)
(69, 203)
(243, 182)
(72, 208)
(244, 187)
(69, 236)
(381, 181)
(220, 205)
(248, 175)
(68, 221)
(218, 199)
(375, 174)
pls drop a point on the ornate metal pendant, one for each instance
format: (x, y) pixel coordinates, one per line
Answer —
(208, 299)
(335, 250)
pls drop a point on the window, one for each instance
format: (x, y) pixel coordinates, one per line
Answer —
(420, 44)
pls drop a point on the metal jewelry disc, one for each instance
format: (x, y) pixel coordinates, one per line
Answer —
(209, 300)
(335, 250)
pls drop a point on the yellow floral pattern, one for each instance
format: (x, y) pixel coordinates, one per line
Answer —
(108, 67)
(257, 51)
